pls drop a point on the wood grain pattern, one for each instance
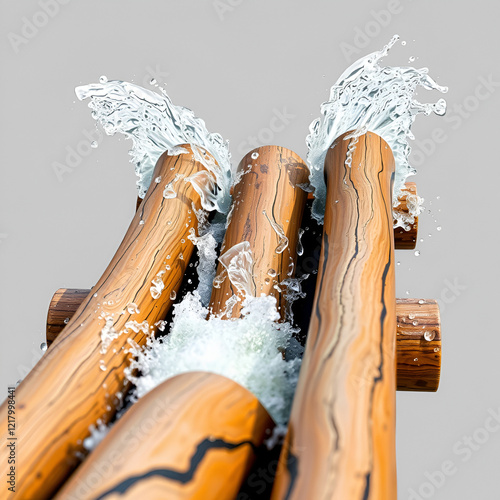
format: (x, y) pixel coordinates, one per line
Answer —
(268, 192)
(406, 240)
(341, 438)
(420, 376)
(75, 384)
(192, 437)
(418, 345)
(403, 240)
(63, 306)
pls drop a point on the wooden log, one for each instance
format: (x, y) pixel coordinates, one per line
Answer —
(80, 378)
(63, 305)
(268, 204)
(406, 239)
(341, 438)
(193, 437)
(418, 345)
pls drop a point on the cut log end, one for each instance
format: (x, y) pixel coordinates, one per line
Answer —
(418, 345)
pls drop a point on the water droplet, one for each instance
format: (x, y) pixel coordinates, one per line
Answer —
(436, 349)
(102, 366)
(132, 308)
(416, 359)
(417, 253)
(421, 301)
(403, 43)
(439, 228)
(255, 155)
(398, 263)
(173, 295)
(141, 222)
(407, 292)
(103, 79)
(94, 144)
(429, 335)
(95, 294)
(411, 316)
(66, 321)
(415, 323)
(43, 346)
(158, 180)
(271, 273)
(152, 81)
(412, 58)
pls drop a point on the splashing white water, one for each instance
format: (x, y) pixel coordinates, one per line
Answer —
(369, 97)
(247, 350)
(156, 125)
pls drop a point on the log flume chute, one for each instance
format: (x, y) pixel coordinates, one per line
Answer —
(200, 432)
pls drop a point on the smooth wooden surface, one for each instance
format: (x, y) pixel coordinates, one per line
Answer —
(341, 439)
(267, 194)
(63, 305)
(193, 437)
(418, 345)
(75, 384)
(406, 239)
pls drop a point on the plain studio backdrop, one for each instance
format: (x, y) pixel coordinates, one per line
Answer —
(257, 72)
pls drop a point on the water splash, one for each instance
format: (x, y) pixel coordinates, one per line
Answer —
(238, 263)
(156, 125)
(371, 97)
(247, 350)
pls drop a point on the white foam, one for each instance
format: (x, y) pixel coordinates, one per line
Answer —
(370, 97)
(156, 125)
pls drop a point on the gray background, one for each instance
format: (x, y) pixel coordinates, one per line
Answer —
(235, 68)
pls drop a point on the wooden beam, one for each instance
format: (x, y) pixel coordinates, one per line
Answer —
(341, 437)
(75, 382)
(193, 437)
(418, 337)
(267, 210)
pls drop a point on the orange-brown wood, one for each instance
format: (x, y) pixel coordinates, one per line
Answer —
(63, 305)
(418, 345)
(341, 438)
(192, 437)
(79, 379)
(406, 239)
(268, 204)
